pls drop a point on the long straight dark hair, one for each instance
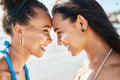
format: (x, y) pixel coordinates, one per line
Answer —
(95, 15)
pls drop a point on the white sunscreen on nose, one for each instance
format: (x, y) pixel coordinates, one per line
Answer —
(63, 36)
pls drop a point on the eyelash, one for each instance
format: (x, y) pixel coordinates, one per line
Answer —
(58, 32)
(45, 30)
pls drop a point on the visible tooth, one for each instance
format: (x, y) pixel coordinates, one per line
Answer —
(67, 46)
(43, 47)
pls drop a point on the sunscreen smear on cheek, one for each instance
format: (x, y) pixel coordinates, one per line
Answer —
(43, 38)
(63, 36)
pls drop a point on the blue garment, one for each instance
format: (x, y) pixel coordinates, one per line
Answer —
(14, 76)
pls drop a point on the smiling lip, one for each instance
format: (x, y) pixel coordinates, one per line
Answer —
(42, 47)
(68, 47)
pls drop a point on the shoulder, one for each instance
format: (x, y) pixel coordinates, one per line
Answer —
(3, 66)
(3, 63)
(111, 71)
(4, 75)
(4, 70)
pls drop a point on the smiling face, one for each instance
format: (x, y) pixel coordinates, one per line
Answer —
(69, 34)
(36, 36)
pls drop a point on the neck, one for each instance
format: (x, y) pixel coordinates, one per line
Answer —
(18, 57)
(96, 49)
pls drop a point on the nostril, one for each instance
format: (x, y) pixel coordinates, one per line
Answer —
(50, 40)
(59, 43)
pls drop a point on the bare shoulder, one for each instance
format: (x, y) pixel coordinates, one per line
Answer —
(111, 71)
(5, 75)
(3, 63)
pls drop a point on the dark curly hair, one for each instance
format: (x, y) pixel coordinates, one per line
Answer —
(19, 11)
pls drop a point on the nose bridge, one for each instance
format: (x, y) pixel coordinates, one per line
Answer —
(49, 39)
(59, 40)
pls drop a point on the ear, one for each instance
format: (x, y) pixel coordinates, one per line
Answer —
(81, 21)
(18, 30)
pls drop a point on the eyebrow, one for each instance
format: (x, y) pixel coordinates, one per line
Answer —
(56, 29)
(48, 26)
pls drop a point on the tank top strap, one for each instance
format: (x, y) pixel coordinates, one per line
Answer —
(26, 72)
(14, 76)
(4, 51)
(6, 44)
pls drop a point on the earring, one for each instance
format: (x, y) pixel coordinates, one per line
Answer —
(21, 41)
(83, 30)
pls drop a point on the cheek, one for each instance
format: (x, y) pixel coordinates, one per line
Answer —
(74, 40)
(35, 38)
(78, 42)
(64, 36)
(42, 37)
(71, 37)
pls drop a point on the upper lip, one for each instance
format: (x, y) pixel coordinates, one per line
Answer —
(43, 45)
(67, 45)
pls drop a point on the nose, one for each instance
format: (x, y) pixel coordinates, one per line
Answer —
(59, 41)
(49, 40)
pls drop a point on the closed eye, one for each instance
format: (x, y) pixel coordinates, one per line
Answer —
(58, 32)
(45, 30)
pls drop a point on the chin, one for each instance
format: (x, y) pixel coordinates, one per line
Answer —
(74, 53)
(39, 55)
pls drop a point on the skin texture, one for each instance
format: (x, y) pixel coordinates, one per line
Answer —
(35, 35)
(71, 36)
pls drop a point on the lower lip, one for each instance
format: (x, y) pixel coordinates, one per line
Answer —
(69, 48)
(42, 48)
